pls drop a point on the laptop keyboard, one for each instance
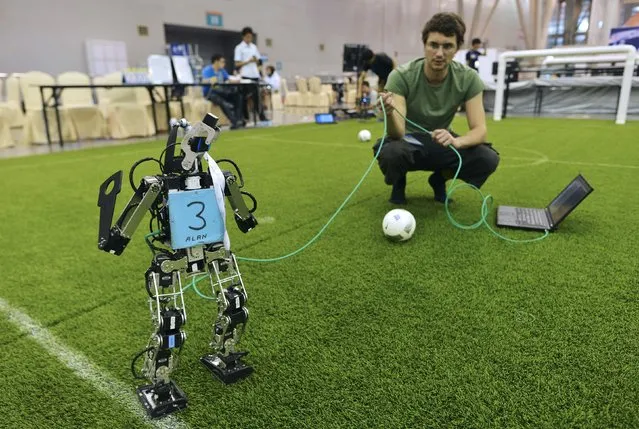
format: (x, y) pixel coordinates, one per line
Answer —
(530, 216)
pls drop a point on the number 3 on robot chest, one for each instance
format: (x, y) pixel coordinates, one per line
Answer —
(195, 218)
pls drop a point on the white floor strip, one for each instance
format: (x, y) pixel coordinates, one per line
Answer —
(119, 392)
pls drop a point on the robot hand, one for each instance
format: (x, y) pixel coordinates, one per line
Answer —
(198, 139)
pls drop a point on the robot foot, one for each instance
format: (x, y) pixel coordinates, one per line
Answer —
(228, 369)
(161, 399)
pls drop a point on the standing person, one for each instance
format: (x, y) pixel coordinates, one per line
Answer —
(429, 91)
(247, 58)
(380, 64)
(473, 54)
(229, 100)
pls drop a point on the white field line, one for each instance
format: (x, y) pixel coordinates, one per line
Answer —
(83, 368)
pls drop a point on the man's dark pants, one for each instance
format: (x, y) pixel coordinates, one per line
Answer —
(230, 102)
(398, 157)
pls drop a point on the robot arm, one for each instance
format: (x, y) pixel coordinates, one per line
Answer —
(243, 216)
(115, 239)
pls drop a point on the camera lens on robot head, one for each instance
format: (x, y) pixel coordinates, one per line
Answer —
(198, 144)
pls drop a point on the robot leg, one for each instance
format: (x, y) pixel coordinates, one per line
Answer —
(225, 362)
(166, 303)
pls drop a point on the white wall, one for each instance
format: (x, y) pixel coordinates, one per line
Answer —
(50, 35)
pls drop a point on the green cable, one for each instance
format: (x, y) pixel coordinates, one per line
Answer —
(485, 206)
(486, 200)
(330, 220)
(197, 291)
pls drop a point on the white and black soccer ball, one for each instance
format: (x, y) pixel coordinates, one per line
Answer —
(399, 225)
(364, 136)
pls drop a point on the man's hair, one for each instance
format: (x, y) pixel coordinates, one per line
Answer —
(476, 41)
(247, 30)
(446, 23)
(366, 83)
(367, 54)
(216, 57)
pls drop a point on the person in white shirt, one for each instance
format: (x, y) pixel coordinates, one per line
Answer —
(247, 58)
(272, 78)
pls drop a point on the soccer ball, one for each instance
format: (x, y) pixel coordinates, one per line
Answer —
(364, 136)
(398, 225)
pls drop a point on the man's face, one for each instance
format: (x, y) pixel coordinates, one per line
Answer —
(248, 38)
(366, 89)
(439, 50)
(219, 64)
(476, 46)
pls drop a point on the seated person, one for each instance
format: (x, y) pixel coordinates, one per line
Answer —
(272, 78)
(369, 97)
(428, 91)
(229, 99)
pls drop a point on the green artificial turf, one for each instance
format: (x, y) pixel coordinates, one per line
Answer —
(452, 328)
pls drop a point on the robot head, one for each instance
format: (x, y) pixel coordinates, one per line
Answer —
(198, 139)
(201, 143)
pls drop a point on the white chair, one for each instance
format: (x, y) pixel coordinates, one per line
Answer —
(291, 98)
(276, 100)
(125, 115)
(34, 131)
(318, 98)
(11, 108)
(161, 119)
(304, 99)
(6, 140)
(87, 118)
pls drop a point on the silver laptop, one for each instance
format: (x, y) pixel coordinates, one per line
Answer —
(549, 218)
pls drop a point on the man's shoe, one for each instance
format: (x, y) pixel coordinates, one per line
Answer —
(438, 183)
(398, 194)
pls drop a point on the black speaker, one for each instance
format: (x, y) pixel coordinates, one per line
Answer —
(353, 57)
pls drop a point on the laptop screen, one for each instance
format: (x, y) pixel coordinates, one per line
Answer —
(568, 199)
(324, 118)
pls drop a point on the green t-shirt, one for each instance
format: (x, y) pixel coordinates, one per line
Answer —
(433, 106)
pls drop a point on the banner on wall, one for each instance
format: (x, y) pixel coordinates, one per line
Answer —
(179, 49)
(624, 36)
(214, 19)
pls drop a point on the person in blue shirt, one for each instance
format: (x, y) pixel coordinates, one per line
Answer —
(229, 99)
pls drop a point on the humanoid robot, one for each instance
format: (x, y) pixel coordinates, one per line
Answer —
(188, 238)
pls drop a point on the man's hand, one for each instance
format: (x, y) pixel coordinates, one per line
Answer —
(253, 59)
(386, 98)
(444, 138)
